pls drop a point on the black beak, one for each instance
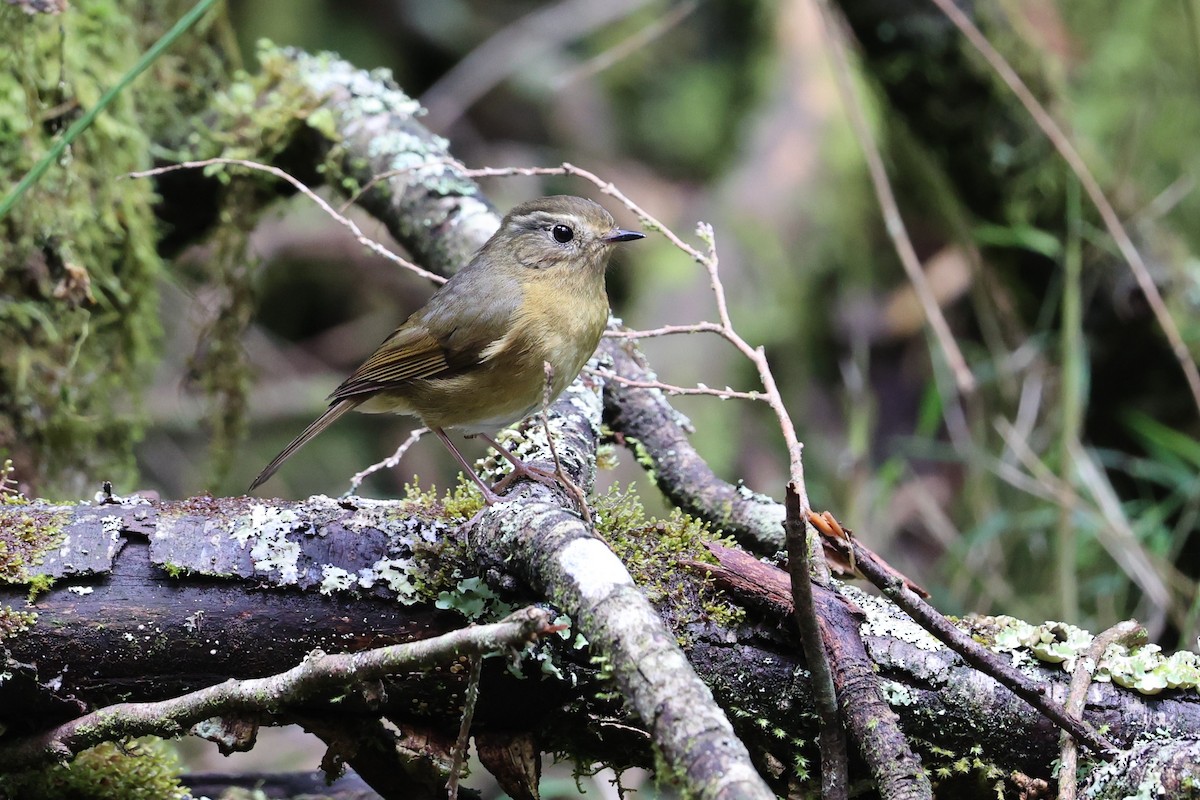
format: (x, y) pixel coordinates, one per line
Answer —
(619, 235)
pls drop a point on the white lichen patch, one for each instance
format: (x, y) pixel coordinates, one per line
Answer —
(593, 567)
(80, 590)
(271, 550)
(884, 619)
(396, 574)
(336, 579)
(897, 694)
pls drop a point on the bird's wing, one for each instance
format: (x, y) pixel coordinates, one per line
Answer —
(450, 334)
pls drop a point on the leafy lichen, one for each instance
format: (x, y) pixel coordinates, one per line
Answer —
(1143, 667)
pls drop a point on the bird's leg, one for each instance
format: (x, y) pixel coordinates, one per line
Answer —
(520, 468)
(490, 497)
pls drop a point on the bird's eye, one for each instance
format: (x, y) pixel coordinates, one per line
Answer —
(562, 234)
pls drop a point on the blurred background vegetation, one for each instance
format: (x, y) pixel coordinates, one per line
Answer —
(1064, 487)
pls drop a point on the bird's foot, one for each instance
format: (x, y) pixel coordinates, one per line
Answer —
(522, 470)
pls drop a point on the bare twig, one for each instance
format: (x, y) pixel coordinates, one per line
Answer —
(319, 673)
(896, 768)
(345, 222)
(1108, 214)
(561, 473)
(665, 330)
(669, 388)
(388, 463)
(891, 212)
(1128, 631)
(464, 728)
(834, 766)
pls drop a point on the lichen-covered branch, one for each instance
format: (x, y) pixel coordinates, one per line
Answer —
(317, 676)
(558, 554)
(135, 624)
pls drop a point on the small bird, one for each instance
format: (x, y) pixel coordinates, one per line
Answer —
(473, 358)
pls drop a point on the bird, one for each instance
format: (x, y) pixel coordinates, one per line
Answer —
(474, 357)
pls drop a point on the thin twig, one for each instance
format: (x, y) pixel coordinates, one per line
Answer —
(386, 175)
(388, 463)
(891, 212)
(1128, 631)
(834, 766)
(669, 388)
(1108, 214)
(464, 728)
(665, 330)
(345, 222)
(563, 477)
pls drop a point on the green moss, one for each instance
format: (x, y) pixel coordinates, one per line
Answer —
(13, 622)
(39, 584)
(654, 551)
(143, 769)
(28, 531)
(462, 502)
(78, 264)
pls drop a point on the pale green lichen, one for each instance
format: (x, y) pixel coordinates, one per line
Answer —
(335, 579)
(1142, 668)
(400, 575)
(475, 600)
(897, 694)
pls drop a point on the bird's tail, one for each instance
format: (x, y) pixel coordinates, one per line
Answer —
(321, 423)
